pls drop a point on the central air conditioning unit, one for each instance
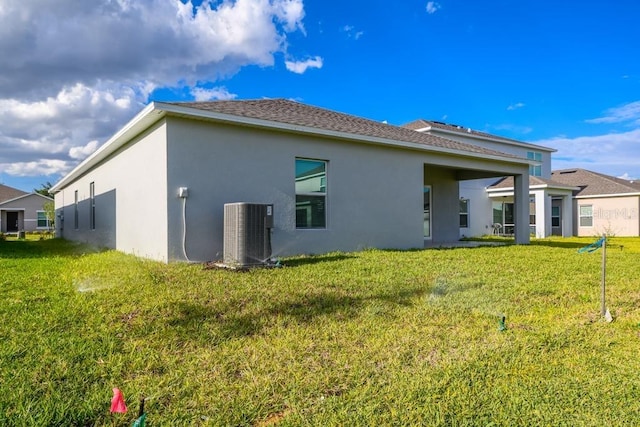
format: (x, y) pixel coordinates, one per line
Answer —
(247, 234)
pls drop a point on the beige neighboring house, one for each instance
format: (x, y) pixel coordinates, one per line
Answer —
(22, 211)
(602, 203)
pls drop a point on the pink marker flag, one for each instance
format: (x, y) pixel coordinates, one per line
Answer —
(117, 402)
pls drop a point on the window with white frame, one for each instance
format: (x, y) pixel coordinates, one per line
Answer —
(43, 221)
(586, 215)
(464, 213)
(311, 193)
(555, 216)
(535, 170)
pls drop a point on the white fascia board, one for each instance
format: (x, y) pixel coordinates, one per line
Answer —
(603, 196)
(498, 140)
(149, 115)
(533, 187)
(248, 121)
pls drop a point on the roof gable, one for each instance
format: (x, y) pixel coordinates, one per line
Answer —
(8, 193)
(24, 196)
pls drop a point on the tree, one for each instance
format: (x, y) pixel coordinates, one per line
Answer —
(50, 212)
(44, 190)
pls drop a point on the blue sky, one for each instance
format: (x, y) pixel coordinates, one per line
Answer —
(560, 74)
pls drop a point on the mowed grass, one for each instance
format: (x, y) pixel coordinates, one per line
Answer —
(359, 339)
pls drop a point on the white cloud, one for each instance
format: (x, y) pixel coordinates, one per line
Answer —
(45, 167)
(216, 93)
(79, 70)
(352, 32)
(45, 134)
(628, 177)
(80, 153)
(433, 7)
(625, 113)
(614, 154)
(299, 67)
(515, 106)
(161, 41)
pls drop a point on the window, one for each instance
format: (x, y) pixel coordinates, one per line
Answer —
(427, 211)
(76, 224)
(92, 206)
(464, 213)
(586, 216)
(555, 216)
(535, 170)
(311, 193)
(43, 222)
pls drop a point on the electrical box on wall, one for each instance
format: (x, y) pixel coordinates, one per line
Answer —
(183, 192)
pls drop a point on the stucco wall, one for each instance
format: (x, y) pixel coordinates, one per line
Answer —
(480, 207)
(130, 197)
(28, 206)
(445, 208)
(616, 216)
(515, 149)
(374, 194)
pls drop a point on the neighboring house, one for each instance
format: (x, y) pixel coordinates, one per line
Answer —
(487, 206)
(22, 211)
(602, 203)
(336, 181)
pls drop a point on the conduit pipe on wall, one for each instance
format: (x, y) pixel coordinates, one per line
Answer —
(183, 192)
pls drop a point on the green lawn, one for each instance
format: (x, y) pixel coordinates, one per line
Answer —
(368, 338)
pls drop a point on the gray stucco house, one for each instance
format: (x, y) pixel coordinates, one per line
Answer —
(22, 211)
(336, 181)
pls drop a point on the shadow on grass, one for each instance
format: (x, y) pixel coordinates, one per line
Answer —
(315, 259)
(237, 320)
(558, 244)
(46, 248)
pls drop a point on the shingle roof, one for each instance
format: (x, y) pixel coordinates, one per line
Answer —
(594, 183)
(8, 193)
(297, 114)
(507, 182)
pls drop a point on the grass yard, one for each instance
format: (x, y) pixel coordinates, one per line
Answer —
(354, 339)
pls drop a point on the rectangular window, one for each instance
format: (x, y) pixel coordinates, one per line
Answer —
(464, 213)
(555, 216)
(586, 216)
(76, 221)
(535, 170)
(43, 222)
(92, 206)
(311, 193)
(427, 211)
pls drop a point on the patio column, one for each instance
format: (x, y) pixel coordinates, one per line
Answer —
(567, 216)
(543, 214)
(521, 208)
